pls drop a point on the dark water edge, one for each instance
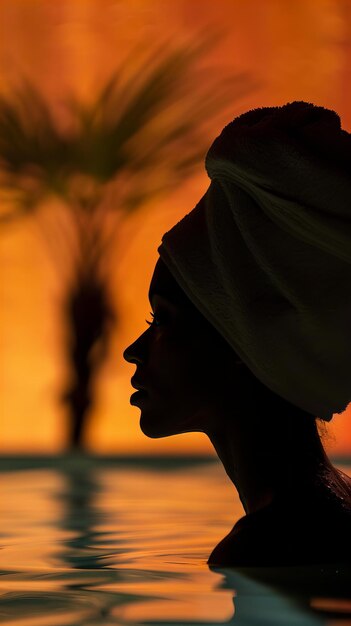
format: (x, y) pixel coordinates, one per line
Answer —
(15, 462)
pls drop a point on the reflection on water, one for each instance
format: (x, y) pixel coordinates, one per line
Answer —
(91, 542)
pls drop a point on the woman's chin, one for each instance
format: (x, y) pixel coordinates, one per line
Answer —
(153, 431)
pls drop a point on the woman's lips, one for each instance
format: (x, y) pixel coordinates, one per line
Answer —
(137, 385)
(138, 397)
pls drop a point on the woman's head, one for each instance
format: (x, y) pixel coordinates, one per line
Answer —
(265, 255)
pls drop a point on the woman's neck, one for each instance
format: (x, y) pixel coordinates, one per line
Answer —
(266, 464)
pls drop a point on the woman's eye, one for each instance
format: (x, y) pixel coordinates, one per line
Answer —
(153, 323)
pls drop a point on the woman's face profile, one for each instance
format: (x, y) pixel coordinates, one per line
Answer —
(183, 363)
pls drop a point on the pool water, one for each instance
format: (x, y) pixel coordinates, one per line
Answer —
(88, 540)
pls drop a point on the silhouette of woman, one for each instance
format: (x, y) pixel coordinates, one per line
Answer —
(250, 337)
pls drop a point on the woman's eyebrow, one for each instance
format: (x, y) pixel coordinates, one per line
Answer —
(153, 294)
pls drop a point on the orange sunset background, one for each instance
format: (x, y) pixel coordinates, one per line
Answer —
(288, 51)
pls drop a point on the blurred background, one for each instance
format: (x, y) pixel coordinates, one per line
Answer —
(107, 109)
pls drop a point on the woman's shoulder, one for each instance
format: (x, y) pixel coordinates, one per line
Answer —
(311, 531)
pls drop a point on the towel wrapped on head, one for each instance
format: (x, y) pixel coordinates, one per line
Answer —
(265, 255)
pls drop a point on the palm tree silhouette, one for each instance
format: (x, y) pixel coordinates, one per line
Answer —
(143, 134)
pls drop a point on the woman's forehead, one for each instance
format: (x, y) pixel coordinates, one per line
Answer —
(164, 284)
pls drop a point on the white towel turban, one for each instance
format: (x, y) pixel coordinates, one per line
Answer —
(265, 255)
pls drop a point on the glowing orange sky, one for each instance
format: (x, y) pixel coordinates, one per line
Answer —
(297, 51)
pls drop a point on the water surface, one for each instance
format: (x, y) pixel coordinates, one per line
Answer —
(106, 541)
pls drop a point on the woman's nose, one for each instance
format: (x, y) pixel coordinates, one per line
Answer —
(132, 353)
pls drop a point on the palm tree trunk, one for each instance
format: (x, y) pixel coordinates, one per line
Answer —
(89, 315)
